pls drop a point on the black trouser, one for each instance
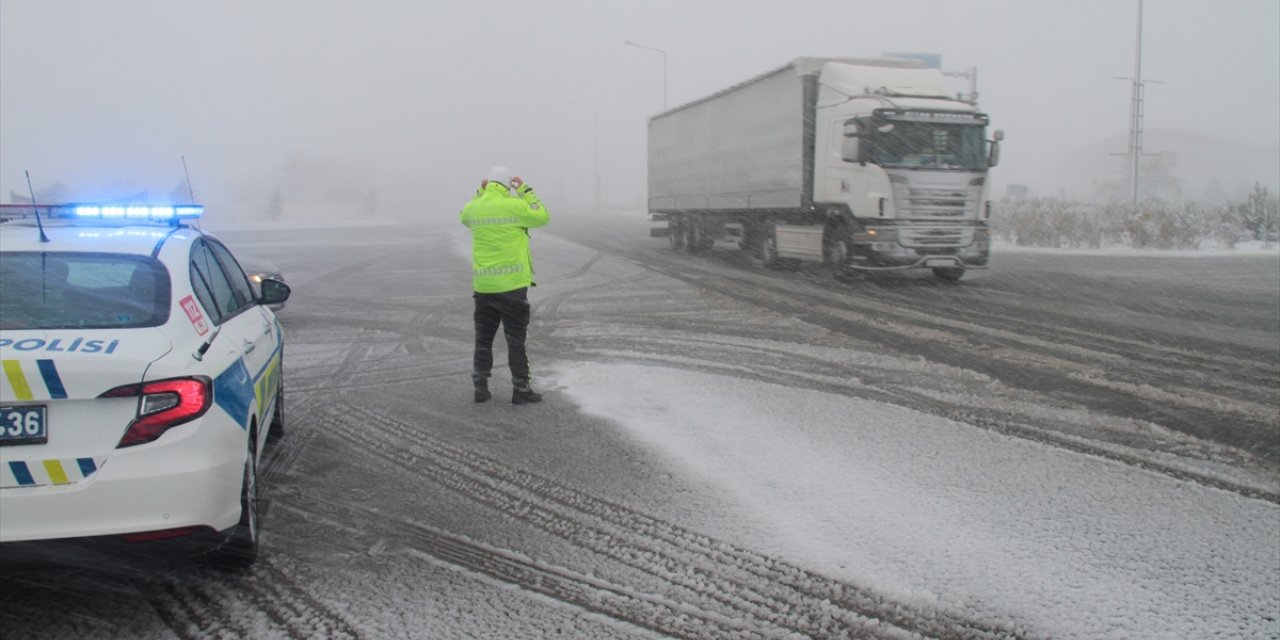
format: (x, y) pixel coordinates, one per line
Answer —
(511, 310)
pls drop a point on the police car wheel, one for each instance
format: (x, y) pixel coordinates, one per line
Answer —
(241, 548)
(276, 430)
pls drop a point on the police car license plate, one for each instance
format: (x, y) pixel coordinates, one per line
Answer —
(23, 425)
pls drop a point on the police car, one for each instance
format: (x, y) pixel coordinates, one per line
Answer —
(140, 379)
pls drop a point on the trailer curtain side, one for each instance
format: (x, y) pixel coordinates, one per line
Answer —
(748, 148)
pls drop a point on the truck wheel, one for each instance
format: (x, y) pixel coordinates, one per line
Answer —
(767, 250)
(675, 235)
(837, 250)
(948, 274)
(697, 239)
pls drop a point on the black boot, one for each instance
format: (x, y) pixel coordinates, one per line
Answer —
(522, 393)
(482, 390)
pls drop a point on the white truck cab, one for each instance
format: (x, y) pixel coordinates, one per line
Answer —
(863, 164)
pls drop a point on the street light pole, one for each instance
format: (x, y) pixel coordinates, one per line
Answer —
(664, 68)
(595, 149)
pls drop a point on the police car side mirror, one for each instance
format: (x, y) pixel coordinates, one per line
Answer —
(273, 291)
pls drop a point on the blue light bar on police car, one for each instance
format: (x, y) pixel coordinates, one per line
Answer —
(137, 211)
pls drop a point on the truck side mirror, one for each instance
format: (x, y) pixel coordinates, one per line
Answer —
(849, 149)
(855, 146)
(993, 155)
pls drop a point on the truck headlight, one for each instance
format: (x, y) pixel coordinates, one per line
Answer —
(882, 234)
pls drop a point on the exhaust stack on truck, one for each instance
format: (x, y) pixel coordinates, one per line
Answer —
(862, 164)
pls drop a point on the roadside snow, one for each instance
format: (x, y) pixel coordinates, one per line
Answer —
(1241, 249)
(938, 512)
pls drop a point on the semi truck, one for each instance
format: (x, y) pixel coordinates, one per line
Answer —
(863, 164)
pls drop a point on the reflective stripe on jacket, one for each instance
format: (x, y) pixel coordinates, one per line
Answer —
(499, 223)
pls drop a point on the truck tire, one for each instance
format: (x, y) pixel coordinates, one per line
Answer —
(767, 249)
(837, 249)
(675, 235)
(948, 274)
(697, 239)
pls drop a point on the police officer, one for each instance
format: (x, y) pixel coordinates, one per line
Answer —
(500, 216)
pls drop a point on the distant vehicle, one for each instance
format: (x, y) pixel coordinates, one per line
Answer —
(141, 380)
(862, 164)
(258, 270)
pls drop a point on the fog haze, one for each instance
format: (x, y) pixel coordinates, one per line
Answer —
(401, 107)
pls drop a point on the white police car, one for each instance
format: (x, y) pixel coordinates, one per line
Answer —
(140, 377)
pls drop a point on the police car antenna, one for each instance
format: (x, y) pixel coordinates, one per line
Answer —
(190, 189)
(39, 223)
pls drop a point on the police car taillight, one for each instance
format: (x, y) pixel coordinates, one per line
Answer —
(162, 405)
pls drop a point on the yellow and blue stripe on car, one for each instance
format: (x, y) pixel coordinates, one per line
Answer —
(40, 473)
(31, 380)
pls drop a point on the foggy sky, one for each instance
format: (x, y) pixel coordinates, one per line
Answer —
(412, 101)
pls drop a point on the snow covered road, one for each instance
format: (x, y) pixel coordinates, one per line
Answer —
(955, 517)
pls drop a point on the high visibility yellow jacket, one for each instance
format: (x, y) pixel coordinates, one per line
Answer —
(500, 223)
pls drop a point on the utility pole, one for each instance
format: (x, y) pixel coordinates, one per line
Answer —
(1136, 108)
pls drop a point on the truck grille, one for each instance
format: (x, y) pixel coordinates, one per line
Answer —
(916, 203)
(935, 237)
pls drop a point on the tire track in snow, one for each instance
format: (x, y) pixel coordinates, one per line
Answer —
(993, 419)
(728, 581)
(261, 600)
(547, 309)
(591, 592)
(961, 343)
(264, 602)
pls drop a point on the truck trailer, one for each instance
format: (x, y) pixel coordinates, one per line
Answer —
(862, 164)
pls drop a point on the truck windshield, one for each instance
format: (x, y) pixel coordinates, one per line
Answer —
(916, 144)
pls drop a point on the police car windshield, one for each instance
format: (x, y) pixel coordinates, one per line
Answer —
(45, 290)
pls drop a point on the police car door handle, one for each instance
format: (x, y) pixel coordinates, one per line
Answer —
(249, 347)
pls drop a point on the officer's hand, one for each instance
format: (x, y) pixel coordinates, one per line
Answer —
(484, 183)
(516, 182)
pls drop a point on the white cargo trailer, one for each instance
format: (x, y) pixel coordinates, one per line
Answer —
(863, 164)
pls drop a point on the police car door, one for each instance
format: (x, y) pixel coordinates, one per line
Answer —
(243, 329)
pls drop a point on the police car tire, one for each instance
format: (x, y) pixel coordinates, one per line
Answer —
(276, 430)
(241, 548)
